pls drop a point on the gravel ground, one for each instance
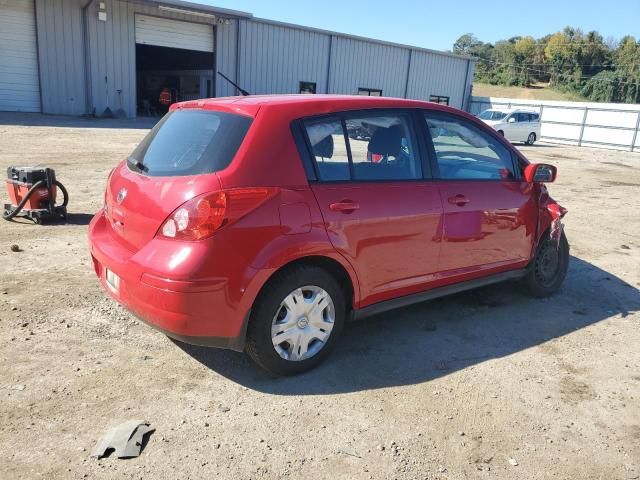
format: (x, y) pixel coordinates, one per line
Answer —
(486, 384)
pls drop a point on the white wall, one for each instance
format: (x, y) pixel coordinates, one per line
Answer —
(604, 125)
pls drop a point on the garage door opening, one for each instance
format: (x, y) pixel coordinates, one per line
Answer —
(175, 62)
(174, 74)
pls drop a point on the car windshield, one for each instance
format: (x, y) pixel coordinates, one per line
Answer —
(190, 142)
(492, 115)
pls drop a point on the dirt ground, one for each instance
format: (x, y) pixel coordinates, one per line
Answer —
(487, 384)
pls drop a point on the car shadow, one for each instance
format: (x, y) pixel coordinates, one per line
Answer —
(420, 343)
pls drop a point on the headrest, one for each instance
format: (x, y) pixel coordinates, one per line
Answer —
(324, 148)
(386, 141)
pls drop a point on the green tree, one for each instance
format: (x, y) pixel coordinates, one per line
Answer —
(524, 56)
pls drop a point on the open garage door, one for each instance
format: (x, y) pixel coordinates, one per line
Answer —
(19, 82)
(174, 62)
(163, 32)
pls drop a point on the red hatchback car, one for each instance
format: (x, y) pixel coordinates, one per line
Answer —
(263, 223)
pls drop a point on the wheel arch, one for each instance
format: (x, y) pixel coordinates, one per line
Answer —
(343, 275)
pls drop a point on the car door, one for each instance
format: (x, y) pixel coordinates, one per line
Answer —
(379, 211)
(524, 125)
(490, 214)
(510, 127)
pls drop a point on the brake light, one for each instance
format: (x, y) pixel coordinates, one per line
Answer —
(201, 216)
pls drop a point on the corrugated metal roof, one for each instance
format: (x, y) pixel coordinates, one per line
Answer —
(239, 14)
(199, 7)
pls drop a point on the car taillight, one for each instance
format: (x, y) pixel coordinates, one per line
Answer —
(201, 216)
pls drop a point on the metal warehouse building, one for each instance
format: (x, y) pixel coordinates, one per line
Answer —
(95, 57)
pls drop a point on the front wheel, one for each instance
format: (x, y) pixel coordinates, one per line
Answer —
(548, 268)
(296, 320)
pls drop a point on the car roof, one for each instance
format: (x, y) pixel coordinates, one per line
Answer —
(309, 103)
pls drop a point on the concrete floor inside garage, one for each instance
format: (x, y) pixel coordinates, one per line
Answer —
(486, 384)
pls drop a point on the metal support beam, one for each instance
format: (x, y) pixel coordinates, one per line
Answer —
(584, 120)
(328, 89)
(406, 82)
(635, 134)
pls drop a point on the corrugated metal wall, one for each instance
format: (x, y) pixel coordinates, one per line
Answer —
(274, 59)
(358, 64)
(433, 74)
(226, 43)
(262, 56)
(112, 51)
(61, 55)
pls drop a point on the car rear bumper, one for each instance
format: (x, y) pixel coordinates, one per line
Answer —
(189, 308)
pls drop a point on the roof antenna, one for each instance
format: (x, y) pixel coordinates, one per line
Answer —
(240, 89)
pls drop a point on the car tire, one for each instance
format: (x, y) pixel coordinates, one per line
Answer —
(501, 132)
(548, 268)
(531, 139)
(294, 292)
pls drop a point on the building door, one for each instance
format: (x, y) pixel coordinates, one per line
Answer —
(174, 59)
(164, 32)
(19, 82)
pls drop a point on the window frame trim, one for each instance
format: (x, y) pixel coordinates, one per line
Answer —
(433, 158)
(411, 114)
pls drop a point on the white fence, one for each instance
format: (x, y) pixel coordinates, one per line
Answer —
(604, 125)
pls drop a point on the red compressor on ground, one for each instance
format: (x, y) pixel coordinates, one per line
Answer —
(33, 192)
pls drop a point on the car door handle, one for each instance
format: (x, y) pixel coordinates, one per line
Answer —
(344, 206)
(459, 200)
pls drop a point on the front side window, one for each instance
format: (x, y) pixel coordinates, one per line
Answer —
(464, 152)
(492, 115)
(364, 147)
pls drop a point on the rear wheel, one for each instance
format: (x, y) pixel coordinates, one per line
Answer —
(548, 268)
(296, 320)
(531, 139)
(501, 132)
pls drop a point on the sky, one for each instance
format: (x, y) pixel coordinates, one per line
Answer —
(437, 24)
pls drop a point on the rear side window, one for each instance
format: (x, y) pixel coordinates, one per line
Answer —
(190, 142)
(364, 147)
(329, 149)
(464, 152)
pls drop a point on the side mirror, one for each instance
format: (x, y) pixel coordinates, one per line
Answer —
(511, 120)
(540, 173)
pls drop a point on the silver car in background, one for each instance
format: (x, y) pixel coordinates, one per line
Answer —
(515, 125)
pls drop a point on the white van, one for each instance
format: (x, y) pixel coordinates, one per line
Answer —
(515, 125)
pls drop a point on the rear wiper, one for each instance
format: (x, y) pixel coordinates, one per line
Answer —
(139, 165)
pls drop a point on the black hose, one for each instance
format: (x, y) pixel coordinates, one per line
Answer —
(64, 193)
(16, 211)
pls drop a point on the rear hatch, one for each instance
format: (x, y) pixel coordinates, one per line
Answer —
(175, 162)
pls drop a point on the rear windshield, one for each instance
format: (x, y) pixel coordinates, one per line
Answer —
(190, 142)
